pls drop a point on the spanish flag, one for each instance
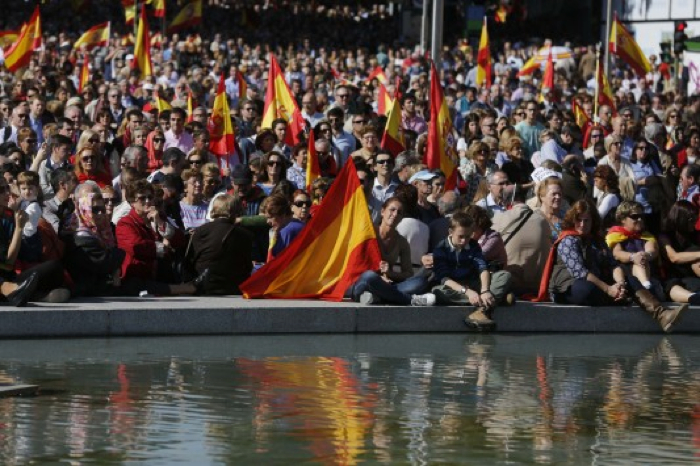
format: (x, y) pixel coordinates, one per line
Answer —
(336, 246)
(190, 107)
(221, 138)
(129, 11)
(441, 144)
(548, 78)
(242, 85)
(96, 36)
(605, 95)
(579, 114)
(392, 140)
(279, 103)
(7, 38)
(84, 73)
(161, 104)
(483, 59)
(189, 16)
(624, 46)
(29, 39)
(157, 40)
(378, 73)
(158, 7)
(142, 49)
(313, 168)
(384, 100)
(529, 67)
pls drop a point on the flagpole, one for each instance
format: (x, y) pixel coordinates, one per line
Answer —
(597, 84)
(436, 44)
(607, 37)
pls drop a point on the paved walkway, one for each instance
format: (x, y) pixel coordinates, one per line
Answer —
(235, 315)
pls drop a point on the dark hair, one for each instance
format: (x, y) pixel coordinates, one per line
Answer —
(60, 175)
(179, 111)
(408, 195)
(60, 140)
(479, 215)
(172, 154)
(681, 219)
(277, 205)
(461, 219)
(285, 188)
(261, 137)
(608, 174)
(136, 188)
(693, 170)
(580, 207)
(336, 112)
(278, 121)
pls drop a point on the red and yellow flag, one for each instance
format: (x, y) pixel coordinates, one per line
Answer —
(441, 144)
(548, 77)
(279, 103)
(336, 246)
(157, 40)
(96, 36)
(378, 73)
(189, 16)
(29, 39)
(605, 95)
(190, 107)
(313, 168)
(384, 100)
(129, 11)
(529, 67)
(161, 104)
(579, 114)
(483, 59)
(221, 137)
(158, 8)
(7, 38)
(623, 45)
(84, 73)
(242, 85)
(392, 140)
(142, 48)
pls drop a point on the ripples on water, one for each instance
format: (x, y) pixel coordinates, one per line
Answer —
(413, 399)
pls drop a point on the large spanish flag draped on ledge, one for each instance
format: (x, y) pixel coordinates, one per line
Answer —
(331, 252)
(392, 140)
(221, 138)
(279, 103)
(623, 45)
(441, 144)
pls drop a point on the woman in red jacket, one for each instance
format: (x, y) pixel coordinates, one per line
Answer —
(146, 237)
(88, 167)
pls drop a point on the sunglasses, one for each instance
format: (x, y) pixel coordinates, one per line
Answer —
(94, 141)
(302, 203)
(358, 122)
(195, 162)
(158, 140)
(384, 162)
(98, 210)
(144, 198)
(109, 200)
(89, 158)
(636, 217)
(274, 163)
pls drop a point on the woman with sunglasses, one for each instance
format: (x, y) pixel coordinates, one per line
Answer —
(109, 197)
(155, 142)
(301, 206)
(593, 136)
(273, 170)
(88, 167)
(476, 169)
(95, 260)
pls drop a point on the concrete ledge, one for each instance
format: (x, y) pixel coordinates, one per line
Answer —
(234, 315)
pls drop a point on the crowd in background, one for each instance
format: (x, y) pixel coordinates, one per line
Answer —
(105, 195)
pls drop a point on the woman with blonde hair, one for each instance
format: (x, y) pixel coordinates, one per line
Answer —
(550, 194)
(88, 167)
(476, 168)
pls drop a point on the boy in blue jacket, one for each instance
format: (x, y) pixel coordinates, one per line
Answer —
(462, 272)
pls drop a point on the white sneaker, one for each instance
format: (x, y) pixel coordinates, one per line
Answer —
(368, 298)
(427, 299)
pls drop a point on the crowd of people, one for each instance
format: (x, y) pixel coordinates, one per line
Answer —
(104, 195)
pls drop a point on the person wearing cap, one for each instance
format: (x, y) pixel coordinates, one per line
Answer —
(422, 180)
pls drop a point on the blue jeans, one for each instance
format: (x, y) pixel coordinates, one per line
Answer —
(393, 293)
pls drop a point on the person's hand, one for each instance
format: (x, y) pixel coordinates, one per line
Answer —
(383, 267)
(154, 216)
(616, 291)
(21, 218)
(427, 261)
(473, 297)
(487, 299)
(42, 152)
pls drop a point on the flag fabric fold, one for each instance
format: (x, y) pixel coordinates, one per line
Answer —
(161, 104)
(483, 58)
(96, 36)
(392, 140)
(337, 245)
(548, 77)
(579, 114)
(280, 103)
(189, 16)
(529, 67)
(129, 11)
(20, 53)
(378, 73)
(7, 38)
(142, 48)
(84, 74)
(190, 107)
(441, 142)
(158, 7)
(313, 168)
(242, 85)
(605, 95)
(623, 45)
(384, 101)
(221, 136)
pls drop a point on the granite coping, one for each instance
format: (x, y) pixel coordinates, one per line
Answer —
(231, 315)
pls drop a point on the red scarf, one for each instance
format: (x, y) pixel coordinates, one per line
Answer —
(543, 295)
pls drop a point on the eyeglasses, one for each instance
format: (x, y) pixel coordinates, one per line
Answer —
(30, 141)
(385, 162)
(333, 119)
(158, 140)
(500, 183)
(93, 141)
(326, 130)
(22, 115)
(109, 200)
(673, 116)
(144, 198)
(249, 109)
(302, 203)
(597, 135)
(636, 217)
(88, 158)
(342, 96)
(358, 122)
(492, 125)
(273, 163)
(99, 210)
(641, 148)
(195, 162)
